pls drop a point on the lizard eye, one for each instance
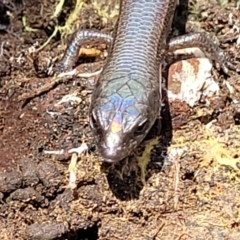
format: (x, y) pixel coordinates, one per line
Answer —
(93, 121)
(142, 127)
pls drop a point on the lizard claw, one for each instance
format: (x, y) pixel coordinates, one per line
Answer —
(228, 63)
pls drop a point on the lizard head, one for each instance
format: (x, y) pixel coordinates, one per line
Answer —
(121, 119)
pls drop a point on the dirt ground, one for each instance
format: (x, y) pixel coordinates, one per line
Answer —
(188, 190)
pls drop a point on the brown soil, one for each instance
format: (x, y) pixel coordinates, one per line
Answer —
(189, 189)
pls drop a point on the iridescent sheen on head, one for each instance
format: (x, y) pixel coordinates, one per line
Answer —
(121, 119)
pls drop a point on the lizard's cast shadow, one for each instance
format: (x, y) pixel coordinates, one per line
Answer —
(126, 178)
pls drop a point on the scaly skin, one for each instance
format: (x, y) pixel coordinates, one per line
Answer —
(127, 99)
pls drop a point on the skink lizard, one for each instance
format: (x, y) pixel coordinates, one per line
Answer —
(126, 100)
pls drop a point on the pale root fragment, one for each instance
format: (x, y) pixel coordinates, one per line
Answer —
(191, 79)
